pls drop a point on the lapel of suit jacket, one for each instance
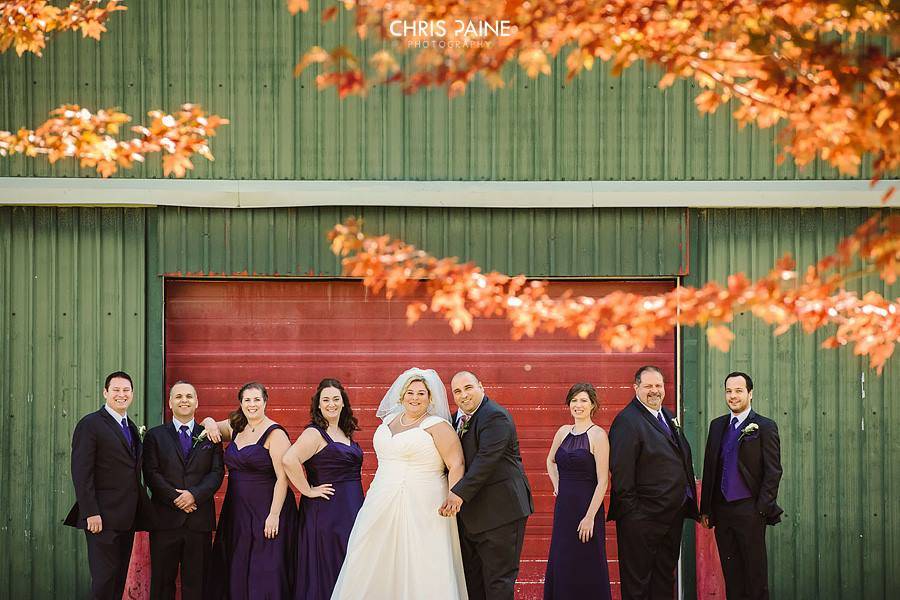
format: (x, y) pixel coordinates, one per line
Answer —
(198, 429)
(718, 433)
(742, 468)
(751, 418)
(138, 443)
(470, 429)
(117, 429)
(175, 442)
(646, 414)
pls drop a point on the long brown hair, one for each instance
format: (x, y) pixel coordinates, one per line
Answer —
(237, 419)
(346, 422)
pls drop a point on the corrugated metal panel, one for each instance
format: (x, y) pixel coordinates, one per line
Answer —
(72, 300)
(538, 242)
(839, 422)
(236, 59)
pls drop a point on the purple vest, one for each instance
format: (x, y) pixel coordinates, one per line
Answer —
(733, 486)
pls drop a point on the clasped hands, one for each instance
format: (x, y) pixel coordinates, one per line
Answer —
(185, 501)
(451, 505)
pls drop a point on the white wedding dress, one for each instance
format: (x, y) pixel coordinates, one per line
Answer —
(400, 547)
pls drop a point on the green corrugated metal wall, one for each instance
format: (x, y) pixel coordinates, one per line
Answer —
(236, 58)
(77, 299)
(839, 421)
(72, 301)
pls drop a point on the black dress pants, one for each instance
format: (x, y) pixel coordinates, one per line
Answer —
(109, 554)
(648, 555)
(491, 560)
(741, 540)
(174, 548)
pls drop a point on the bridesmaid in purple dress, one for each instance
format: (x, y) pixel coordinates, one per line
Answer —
(331, 488)
(253, 553)
(578, 465)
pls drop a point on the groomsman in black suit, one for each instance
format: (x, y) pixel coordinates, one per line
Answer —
(493, 498)
(652, 490)
(741, 472)
(110, 498)
(183, 472)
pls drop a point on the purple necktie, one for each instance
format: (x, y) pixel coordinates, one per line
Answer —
(126, 431)
(185, 438)
(662, 422)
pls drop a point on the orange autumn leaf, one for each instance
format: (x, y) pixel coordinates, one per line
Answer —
(295, 6)
(75, 132)
(719, 337)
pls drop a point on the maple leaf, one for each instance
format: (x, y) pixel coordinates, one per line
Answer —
(92, 29)
(295, 6)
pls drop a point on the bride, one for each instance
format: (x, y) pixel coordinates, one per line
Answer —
(400, 546)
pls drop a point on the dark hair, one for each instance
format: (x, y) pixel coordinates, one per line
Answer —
(746, 377)
(586, 388)
(119, 374)
(346, 422)
(237, 419)
(646, 369)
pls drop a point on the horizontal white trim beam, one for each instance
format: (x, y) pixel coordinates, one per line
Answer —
(487, 194)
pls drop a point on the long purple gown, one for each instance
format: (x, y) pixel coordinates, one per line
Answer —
(576, 569)
(246, 565)
(325, 524)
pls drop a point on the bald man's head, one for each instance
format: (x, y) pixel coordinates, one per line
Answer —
(467, 391)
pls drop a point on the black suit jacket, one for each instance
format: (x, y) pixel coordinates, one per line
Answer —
(759, 462)
(107, 475)
(650, 470)
(165, 469)
(494, 489)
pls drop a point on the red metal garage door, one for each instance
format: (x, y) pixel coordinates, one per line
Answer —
(289, 334)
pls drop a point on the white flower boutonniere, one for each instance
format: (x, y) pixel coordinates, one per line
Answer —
(748, 430)
(142, 430)
(676, 423)
(200, 438)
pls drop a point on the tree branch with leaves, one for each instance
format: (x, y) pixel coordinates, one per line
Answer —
(26, 25)
(780, 61)
(75, 132)
(620, 321)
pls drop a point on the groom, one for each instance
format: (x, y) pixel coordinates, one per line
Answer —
(493, 498)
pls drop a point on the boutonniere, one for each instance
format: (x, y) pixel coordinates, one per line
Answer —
(466, 422)
(748, 430)
(199, 438)
(676, 424)
(142, 430)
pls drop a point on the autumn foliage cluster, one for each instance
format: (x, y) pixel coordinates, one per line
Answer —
(75, 132)
(629, 322)
(804, 64)
(27, 24)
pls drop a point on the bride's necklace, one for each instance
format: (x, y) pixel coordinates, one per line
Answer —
(402, 424)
